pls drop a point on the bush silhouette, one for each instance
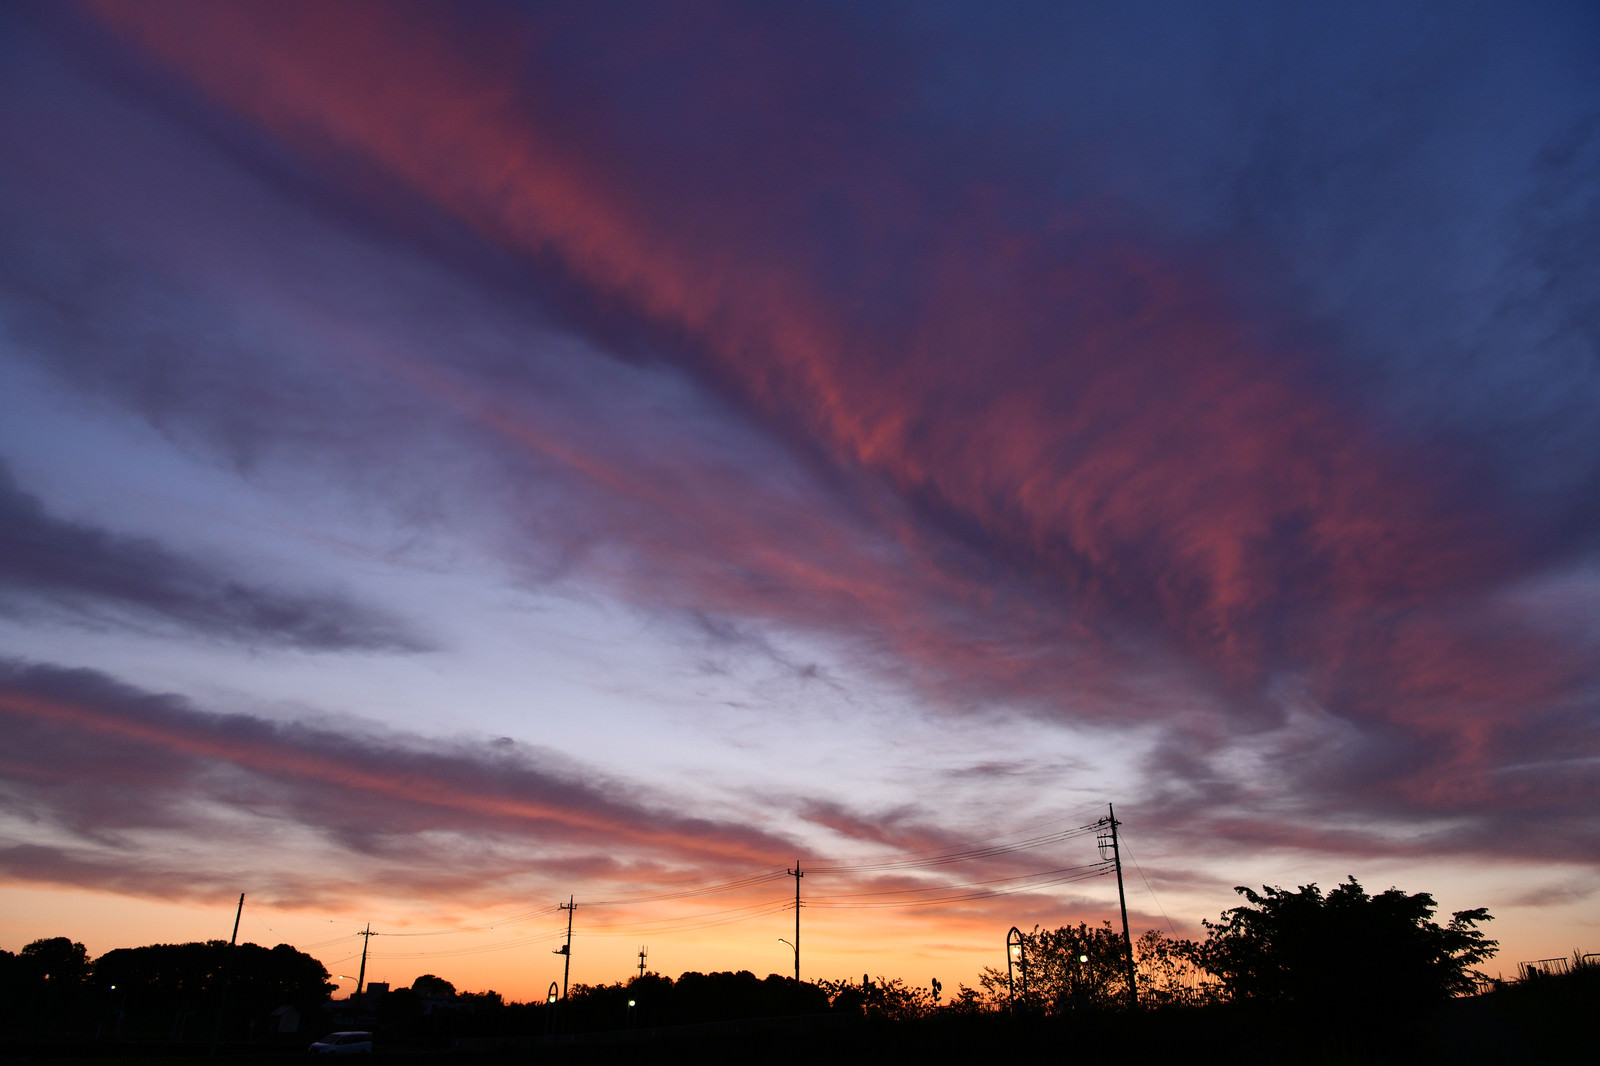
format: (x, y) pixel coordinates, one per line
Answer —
(1345, 949)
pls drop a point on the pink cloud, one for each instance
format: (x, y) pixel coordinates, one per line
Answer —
(1081, 447)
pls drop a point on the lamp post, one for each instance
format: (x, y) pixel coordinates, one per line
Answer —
(1015, 960)
(797, 997)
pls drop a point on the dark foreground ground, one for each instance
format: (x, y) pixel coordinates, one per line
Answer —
(1511, 1027)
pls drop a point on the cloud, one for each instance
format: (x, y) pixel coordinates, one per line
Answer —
(111, 768)
(127, 790)
(1020, 409)
(49, 566)
(307, 341)
(1558, 894)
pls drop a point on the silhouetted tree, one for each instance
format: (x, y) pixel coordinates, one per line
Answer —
(489, 1000)
(968, 1001)
(1170, 974)
(887, 997)
(165, 988)
(57, 961)
(429, 985)
(1070, 968)
(1345, 948)
(694, 997)
(724, 995)
(51, 980)
(264, 979)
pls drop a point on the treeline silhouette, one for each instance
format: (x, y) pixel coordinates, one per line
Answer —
(1337, 976)
(167, 992)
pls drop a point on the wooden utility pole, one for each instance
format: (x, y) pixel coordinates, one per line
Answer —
(227, 975)
(361, 974)
(566, 949)
(1116, 854)
(797, 875)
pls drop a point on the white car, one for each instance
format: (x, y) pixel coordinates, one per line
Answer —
(352, 1043)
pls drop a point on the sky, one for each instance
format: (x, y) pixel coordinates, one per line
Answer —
(461, 459)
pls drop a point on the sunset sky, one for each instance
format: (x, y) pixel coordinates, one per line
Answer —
(455, 458)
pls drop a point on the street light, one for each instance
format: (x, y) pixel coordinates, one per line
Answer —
(796, 951)
(798, 998)
(1015, 958)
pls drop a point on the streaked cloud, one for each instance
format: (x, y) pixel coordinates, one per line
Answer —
(1211, 393)
(106, 762)
(54, 567)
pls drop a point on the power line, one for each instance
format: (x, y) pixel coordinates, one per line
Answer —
(689, 892)
(965, 897)
(698, 922)
(946, 857)
(447, 953)
(1147, 885)
(1031, 831)
(490, 927)
(325, 943)
(686, 921)
(916, 896)
(1095, 869)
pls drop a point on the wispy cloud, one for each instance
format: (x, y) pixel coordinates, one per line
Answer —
(53, 567)
(1058, 444)
(1201, 382)
(107, 764)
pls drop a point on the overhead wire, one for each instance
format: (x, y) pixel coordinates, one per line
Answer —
(325, 943)
(1148, 887)
(446, 953)
(691, 923)
(913, 896)
(486, 928)
(666, 926)
(945, 857)
(964, 897)
(1099, 867)
(688, 892)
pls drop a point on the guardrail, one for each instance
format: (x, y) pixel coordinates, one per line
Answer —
(1550, 967)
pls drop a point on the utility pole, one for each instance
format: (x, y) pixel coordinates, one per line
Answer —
(797, 875)
(566, 949)
(361, 974)
(641, 960)
(227, 976)
(1116, 855)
